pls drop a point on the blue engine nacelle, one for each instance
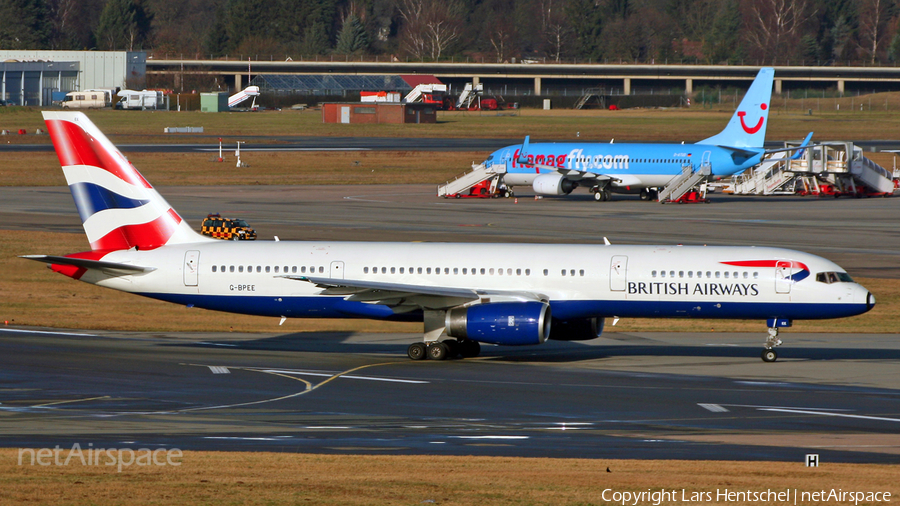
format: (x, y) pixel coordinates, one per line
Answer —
(510, 323)
(577, 330)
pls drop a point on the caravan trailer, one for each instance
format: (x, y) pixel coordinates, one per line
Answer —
(88, 99)
(139, 99)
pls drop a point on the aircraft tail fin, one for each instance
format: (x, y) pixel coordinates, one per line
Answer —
(747, 128)
(118, 207)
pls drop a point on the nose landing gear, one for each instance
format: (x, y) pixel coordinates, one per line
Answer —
(769, 354)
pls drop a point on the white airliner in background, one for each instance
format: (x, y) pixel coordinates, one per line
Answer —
(466, 294)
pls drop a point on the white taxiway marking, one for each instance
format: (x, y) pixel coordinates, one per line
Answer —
(217, 369)
(216, 344)
(292, 149)
(490, 437)
(348, 376)
(715, 408)
(826, 413)
(46, 332)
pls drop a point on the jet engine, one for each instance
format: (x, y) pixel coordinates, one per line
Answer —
(553, 184)
(577, 330)
(509, 323)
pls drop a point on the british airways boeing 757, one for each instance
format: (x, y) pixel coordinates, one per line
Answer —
(466, 294)
(557, 168)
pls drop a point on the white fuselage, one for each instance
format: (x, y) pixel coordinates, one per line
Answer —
(579, 281)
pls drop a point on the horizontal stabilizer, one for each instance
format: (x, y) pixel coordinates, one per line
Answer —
(111, 268)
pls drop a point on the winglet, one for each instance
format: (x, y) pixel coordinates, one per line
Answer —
(606, 241)
(523, 152)
(799, 153)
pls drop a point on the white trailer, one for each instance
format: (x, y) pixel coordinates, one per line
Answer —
(140, 99)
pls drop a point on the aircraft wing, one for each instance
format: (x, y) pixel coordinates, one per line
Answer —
(412, 296)
(110, 268)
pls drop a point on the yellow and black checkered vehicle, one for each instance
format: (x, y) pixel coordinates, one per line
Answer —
(218, 227)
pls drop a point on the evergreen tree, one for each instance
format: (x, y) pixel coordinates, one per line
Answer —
(315, 39)
(586, 20)
(124, 25)
(352, 37)
(217, 38)
(24, 24)
(722, 43)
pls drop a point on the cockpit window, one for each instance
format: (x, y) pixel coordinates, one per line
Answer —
(833, 277)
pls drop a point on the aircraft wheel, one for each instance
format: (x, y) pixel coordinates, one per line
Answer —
(453, 348)
(508, 194)
(769, 355)
(606, 195)
(458, 196)
(469, 349)
(437, 351)
(598, 196)
(416, 351)
(645, 195)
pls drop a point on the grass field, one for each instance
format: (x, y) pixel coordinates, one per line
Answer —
(283, 478)
(789, 119)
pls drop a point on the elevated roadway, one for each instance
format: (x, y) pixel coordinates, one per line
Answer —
(542, 75)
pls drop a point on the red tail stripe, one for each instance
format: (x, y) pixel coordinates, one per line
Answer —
(76, 272)
(765, 263)
(145, 236)
(75, 147)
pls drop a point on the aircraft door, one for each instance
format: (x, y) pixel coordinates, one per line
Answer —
(345, 114)
(337, 270)
(618, 269)
(191, 267)
(706, 156)
(783, 276)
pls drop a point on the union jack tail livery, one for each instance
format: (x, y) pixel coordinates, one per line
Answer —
(747, 128)
(118, 207)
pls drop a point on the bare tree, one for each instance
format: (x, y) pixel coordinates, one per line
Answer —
(774, 25)
(873, 21)
(555, 28)
(430, 27)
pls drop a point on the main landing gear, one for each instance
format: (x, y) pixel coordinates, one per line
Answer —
(441, 350)
(769, 354)
(601, 194)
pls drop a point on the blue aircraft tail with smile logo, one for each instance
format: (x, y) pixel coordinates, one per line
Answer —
(747, 128)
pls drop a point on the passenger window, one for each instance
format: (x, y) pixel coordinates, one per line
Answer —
(446, 270)
(755, 275)
(563, 272)
(671, 274)
(509, 272)
(680, 274)
(420, 271)
(572, 272)
(726, 274)
(384, 270)
(500, 272)
(401, 270)
(546, 272)
(491, 271)
(581, 272)
(222, 268)
(456, 270)
(662, 274)
(653, 274)
(482, 271)
(231, 269)
(528, 272)
(465, 270)
(258, 268)
(267, 268)
(717, 274)
(365, 270)
(393, 270)
(303, 269)
(321, 269)
(214, 268)
(708, 274)
(240, 268)
(276, 270)
(285, 269)
(518, 272)
(690, 274)
(735, 275)
(428, 270)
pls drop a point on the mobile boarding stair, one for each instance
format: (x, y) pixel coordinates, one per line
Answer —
(771, 177)
(243, 95)
(829, 168)
(680, 185)
(469, 94)
(478, 174)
